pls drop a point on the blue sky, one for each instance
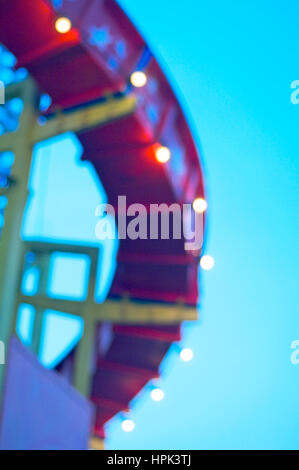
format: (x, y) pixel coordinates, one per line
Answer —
(232, 64)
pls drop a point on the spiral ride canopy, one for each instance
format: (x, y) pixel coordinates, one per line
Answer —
(87, 68)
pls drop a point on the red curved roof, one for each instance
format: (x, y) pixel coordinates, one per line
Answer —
(97, 57)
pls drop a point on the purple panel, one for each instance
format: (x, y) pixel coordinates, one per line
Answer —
(40, 409)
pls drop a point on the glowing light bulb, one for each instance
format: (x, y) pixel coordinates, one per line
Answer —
(186, 354)
(157, 394)
(63, 25)
(128, 425)
(200, 205)
(163, 154)
(207, 262)
(138, 79)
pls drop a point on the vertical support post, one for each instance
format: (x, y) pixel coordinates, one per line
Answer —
(85, 349)
(83, 359)
(96, 443)
(43, 264)
(11, 245)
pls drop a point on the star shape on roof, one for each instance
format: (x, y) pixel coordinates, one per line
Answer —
(57, 4)
(121, 48)
(100, 37)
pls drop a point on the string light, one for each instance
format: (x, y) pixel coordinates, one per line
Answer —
(186, 354)
(200, 205)
(128, 425)
(63, 25)
(157, 394)
(207, 262)
(163, 154)
(138, 79)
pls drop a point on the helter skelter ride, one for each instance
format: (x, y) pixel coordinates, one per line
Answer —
(85, 55)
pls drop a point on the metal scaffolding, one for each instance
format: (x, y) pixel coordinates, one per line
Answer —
(13, 249)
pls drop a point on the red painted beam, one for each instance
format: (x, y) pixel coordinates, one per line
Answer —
(110, 404)
(157, 334)
(128, 369)
(51, 48)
